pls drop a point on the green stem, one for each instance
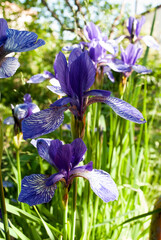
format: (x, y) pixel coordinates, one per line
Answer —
(18, 170)
(65, 216)
(2, 199)
(74, 209)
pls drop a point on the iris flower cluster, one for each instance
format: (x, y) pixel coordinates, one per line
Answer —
(73, 80)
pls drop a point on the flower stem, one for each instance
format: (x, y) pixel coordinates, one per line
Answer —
(65, 216)
(2, 199)
(74, 209)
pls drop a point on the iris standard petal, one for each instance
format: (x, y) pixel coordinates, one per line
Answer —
(3, 31)
(91, 31)
(96, 92)
(150, 42)
(139, 25)
(21, 41)
(9, 121)
(8, 67)
(35, 191)
(42, 122)
(130, 24)
(78, 150)
(82, 74)
(62, 73)
(125, 110)
(141, 69)
(74, 55)
(62, 158)
(102, 184)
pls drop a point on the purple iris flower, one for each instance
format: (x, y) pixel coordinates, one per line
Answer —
(40, 188)
(98, 46)
(20, 112)
(129, 56)
(134, 27)
(74, 79)
(12, 40)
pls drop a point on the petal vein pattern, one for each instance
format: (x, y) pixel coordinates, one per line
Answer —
(42, 122)
(125, 110)
(35, 191)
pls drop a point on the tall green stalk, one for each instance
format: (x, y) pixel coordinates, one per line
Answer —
(2, 199)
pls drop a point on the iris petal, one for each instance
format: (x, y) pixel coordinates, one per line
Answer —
(141, 69)
(101, 183)
(21, 41)
(78, 150)
(8, 67)
(150, 42)
(3, 31)
(125, 110)
(9, 121)
(35, 191)
(42, 122)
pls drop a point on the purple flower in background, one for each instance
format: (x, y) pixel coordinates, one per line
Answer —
(40, 188)
(134, 27)
(129, 56)
(12, 40)
(20, 112)
(98, 46)
(74, 79)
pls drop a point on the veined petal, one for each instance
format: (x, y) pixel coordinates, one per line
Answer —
(8, 67)
(35, 191)
(56, 87)
(125, 110)
(96, 92)
(117, 66)
(78, 150)
(102, 184)
(141, 69)
(21, 41)
(3, 31)
(38, 78)
(9, 121)
(150, 42)
(42, 122)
